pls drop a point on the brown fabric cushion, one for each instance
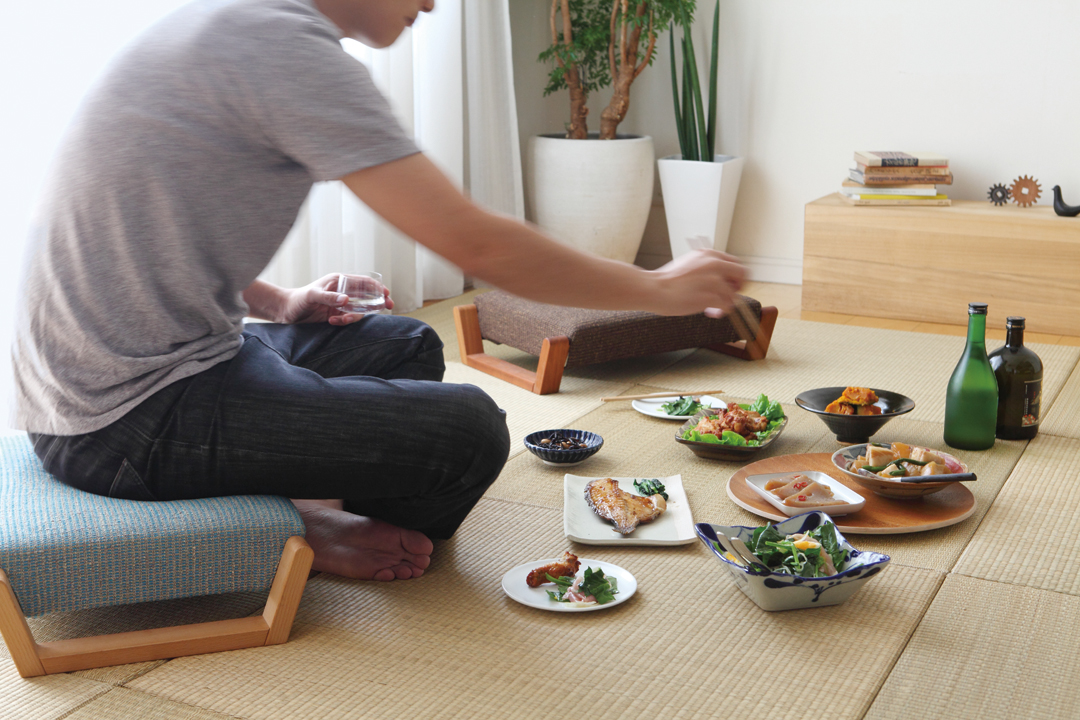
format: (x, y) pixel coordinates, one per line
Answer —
(597, 335)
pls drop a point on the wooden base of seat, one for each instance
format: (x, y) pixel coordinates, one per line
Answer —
(270, 628)
(549, 371)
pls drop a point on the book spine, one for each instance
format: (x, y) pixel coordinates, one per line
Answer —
(922, 170)
(894, 159)
(873, 179)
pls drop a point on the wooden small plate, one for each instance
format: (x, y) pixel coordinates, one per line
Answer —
(880, 515)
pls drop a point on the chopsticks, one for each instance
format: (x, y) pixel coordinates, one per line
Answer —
(743, 318)
(660, 395)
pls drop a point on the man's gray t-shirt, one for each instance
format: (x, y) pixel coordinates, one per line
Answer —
(178, 180)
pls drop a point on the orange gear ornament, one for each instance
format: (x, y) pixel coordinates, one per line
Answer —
(1025, 191)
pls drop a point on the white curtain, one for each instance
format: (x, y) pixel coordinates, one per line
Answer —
(450, 81)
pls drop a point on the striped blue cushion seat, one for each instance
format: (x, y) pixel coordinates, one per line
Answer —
(63, 549)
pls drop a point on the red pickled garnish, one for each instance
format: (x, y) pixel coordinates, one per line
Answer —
(802, 497)
(800, 486)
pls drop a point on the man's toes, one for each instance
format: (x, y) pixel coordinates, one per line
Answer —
(416, 543)
(384, 575)
(420, 562)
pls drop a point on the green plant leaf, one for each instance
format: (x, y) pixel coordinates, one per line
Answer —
(713, 63)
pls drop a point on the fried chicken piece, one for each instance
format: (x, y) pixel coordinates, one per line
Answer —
(565, 566)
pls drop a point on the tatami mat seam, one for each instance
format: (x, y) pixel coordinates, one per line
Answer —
(105, 691)
(1014, 584)
(989, 505)
(907, 641)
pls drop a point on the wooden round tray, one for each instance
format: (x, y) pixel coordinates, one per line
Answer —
(880, 515)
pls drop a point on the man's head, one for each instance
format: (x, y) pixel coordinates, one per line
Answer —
(376, 23)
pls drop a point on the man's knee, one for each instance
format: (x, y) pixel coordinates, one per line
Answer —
(484, 431)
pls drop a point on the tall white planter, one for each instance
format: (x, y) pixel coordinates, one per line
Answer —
(592, 194)
(699, 199)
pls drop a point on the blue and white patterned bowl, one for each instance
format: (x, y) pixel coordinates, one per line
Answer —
(779, 591)
(558, 456)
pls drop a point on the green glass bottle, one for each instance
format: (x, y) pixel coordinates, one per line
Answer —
(1019, 374)
(972, 397)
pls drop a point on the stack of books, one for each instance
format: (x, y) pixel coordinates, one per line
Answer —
(897, 178)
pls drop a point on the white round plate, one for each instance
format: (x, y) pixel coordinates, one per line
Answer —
(652, 406)
(513, 584)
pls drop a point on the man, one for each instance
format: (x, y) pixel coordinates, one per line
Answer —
(177, 181)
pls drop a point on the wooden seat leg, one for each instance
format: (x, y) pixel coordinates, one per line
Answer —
(272, 627)
(757, 348)
(545, 380)
(17, 636)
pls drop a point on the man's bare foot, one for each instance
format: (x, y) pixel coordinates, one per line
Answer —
(360, 547)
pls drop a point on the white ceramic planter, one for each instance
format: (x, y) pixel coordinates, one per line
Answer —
(592, 194)
(699, 199)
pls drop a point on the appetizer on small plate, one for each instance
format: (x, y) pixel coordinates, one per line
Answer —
(794, 493)
(676, 407)
(582, 584)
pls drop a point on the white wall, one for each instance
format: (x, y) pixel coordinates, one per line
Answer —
(50, 53)
(992, 84)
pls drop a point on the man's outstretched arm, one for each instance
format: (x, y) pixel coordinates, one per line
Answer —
(413, 195)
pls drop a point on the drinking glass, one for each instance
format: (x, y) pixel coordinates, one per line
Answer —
(365, 292)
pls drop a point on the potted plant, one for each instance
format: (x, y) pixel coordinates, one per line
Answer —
(699, 186)
(594, 190)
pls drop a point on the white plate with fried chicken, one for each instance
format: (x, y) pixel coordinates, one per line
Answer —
(612, 511)
(528, 585)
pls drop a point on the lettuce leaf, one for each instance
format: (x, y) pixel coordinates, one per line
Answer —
(732, 438)
(770, 410)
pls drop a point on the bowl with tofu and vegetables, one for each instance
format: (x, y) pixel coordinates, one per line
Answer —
(900, 470)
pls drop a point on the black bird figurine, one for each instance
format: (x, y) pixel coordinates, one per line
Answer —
(1061, 208)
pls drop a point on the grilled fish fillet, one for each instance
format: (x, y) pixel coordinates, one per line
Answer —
(623, 510)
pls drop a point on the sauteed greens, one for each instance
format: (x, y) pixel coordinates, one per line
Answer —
(800, 554)
(686, 405)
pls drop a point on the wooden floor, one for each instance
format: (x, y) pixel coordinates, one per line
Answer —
(788, 300)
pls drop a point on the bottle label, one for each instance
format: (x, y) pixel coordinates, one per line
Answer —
(1032, 399)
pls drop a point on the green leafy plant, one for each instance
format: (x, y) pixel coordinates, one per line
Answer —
(696, 124)
(596, 43)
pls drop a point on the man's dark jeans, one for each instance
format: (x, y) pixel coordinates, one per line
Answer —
(306, 411)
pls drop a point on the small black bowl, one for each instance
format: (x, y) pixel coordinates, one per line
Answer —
(854, 429)
(558, 456)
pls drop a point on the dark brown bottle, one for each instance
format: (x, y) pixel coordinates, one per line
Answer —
(1019, 373)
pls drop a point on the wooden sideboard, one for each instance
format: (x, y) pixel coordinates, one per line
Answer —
(928, 263)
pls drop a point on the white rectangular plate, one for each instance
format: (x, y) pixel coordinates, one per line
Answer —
(674, 527)
(854, 501)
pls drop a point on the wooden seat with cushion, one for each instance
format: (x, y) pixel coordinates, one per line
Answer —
(569, 337)
(62, 549)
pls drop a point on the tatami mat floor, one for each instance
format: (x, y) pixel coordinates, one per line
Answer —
(960, 626)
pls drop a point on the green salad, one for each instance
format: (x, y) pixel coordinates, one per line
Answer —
(686, 405)
(799, 554)
(772, 411)
(594, 584)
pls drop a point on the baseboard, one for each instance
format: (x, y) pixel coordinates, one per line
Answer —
(774, 270)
